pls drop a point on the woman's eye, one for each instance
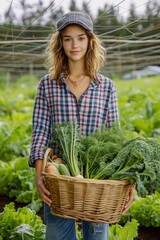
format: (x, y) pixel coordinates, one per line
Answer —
(66, 39)
(82, 38)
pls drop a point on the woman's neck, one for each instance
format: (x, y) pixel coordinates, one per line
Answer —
(76, 69)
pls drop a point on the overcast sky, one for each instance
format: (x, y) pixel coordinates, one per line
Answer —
(123, 5)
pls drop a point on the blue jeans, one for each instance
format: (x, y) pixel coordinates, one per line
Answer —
(58, 228)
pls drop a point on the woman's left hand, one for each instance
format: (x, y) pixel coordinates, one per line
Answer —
(131, 197)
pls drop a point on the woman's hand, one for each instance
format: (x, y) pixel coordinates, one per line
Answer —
(131, 197)
(43, 192)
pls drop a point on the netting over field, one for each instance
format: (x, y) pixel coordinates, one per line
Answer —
(130, 45)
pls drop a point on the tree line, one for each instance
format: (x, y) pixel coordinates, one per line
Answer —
(37, 20)
(132, 42)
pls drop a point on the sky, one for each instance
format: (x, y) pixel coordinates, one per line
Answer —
(123, 5)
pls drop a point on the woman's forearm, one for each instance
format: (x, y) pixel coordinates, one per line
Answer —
(39, 167)
(43, 192)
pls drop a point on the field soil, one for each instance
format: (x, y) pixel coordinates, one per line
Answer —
(148, 233)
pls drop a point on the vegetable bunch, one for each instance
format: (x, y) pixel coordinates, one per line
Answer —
(54, 164)
(67, 136)
(139, 162)
(99, 149)
(108, 154)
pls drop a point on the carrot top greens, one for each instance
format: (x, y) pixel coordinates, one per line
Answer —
(109, 154)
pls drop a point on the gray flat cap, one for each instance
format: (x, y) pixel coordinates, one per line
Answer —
(79, 18)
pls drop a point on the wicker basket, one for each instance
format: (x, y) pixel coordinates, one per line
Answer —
(86, 199)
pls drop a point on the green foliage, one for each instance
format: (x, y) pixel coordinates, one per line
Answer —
(100, 148)
(22, 224)
(14, 140)
(138, 161)
(20, 102)
(78, 233)
(15, 123)
(127, 232)
(67, 137)
(110, 155)
(140, 105)
(145, 210)
(118, 232)
(27, 81)
(17, 181)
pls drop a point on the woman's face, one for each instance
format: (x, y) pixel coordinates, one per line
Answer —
(75, 42)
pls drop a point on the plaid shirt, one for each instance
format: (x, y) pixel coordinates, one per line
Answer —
(55, 103)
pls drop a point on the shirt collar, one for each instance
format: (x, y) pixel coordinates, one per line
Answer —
(63, 77)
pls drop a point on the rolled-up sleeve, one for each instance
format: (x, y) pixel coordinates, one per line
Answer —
(41, 126)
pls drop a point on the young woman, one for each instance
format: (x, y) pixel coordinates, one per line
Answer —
(73, 89)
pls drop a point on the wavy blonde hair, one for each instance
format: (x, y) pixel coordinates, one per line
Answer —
(57, 62)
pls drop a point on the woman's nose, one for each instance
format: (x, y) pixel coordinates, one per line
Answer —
(74, 44)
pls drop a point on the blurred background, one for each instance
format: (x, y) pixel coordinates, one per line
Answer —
(130, 31)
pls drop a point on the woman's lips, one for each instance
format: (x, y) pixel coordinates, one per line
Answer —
(75, 52)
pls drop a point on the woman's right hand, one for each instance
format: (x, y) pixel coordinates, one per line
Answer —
(43, 192)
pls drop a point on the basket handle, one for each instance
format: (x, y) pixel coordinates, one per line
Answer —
(48, 153)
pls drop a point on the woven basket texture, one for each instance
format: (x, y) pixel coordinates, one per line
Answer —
(87, 199)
